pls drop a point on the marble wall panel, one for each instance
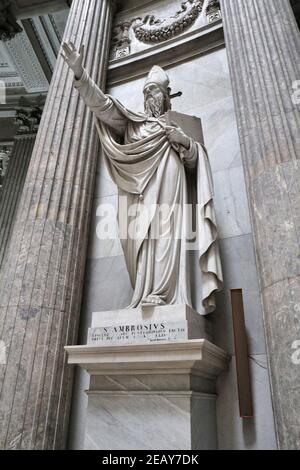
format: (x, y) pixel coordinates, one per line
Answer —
(107, 286)
(104, 239)
(239, 267)
(123, 417)
(231, 203)
(78, 418)
(251, 434)
(104, 186)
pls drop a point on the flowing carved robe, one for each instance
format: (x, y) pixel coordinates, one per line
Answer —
(149, 171)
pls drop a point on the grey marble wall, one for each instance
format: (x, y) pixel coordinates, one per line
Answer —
(207, 93)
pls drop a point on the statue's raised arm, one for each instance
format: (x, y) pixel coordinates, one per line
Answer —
(101, 104)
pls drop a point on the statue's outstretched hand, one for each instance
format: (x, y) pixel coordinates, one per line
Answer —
(73, 58)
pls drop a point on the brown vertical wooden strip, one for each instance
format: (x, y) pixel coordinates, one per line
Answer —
(241, 354)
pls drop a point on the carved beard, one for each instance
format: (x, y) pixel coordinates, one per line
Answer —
(155, 106)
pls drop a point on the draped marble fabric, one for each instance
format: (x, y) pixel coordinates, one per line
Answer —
(150, 173)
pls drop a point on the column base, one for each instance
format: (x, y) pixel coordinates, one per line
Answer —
(151, 396)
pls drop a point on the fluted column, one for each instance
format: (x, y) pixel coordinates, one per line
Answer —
(42, 284)
(12, 188)
(263, 45)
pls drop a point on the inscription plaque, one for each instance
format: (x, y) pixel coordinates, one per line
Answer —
(138, 333)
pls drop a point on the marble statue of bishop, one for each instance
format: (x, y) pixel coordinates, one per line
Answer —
(150, 162)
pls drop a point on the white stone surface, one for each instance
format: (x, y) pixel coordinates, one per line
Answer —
(155, 396)
(104, 185)
(78, 417)
(104, 226)
(168, 313)
(142, 333)
(200, 357)
(150, 421)
(107, 286)
(147, 324)
(231, 203)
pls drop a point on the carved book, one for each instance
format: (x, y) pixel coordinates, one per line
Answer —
(191, 125)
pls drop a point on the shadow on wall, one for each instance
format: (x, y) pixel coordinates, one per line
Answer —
(296, 7)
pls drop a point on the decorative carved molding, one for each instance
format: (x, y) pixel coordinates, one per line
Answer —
(152, 30)
(213, 11)
(16, 84)
(213, 5)
(8, 74)
(28, 115)
(8, 24)
(5, 153)
(121, 40)
(25, 61)
(192, 44)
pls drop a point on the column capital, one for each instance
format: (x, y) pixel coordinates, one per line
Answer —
(29, 114)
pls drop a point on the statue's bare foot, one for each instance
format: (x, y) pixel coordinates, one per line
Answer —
(152, 301)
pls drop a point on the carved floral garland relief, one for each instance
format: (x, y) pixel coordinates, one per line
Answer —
(151, 29)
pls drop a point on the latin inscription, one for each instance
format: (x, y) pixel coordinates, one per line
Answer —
(138, 333)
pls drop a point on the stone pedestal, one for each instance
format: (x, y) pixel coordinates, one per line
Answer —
(151, 396)
(152, 379)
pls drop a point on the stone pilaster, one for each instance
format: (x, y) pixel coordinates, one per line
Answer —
(42, 283)
(12, 188)
(263, 45)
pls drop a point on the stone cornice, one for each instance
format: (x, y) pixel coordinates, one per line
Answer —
(199, 357)
(28, 9)
(191, 44)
